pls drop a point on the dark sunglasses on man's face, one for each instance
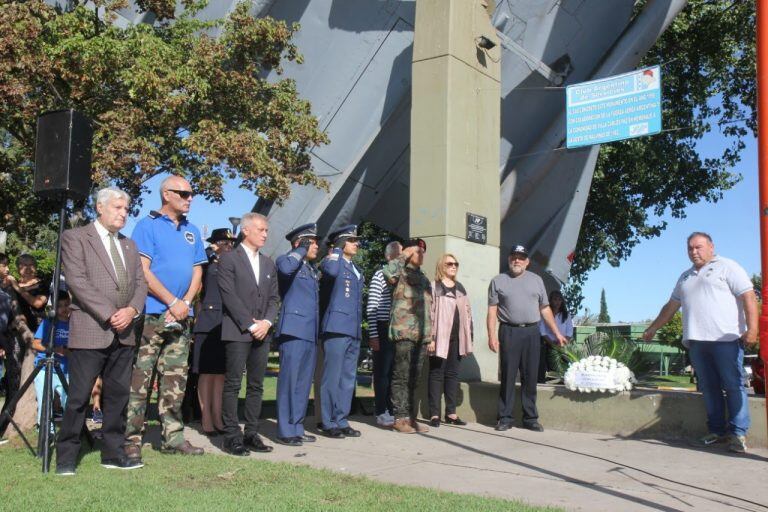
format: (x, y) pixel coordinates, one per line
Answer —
(452, 264)
(184, 194)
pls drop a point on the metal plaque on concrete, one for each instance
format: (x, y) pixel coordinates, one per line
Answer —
(614, 108)
(477, 228)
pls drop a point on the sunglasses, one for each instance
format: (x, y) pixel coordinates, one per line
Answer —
(452, 264)
(184, 194)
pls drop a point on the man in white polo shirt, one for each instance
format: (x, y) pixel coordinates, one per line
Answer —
(719, 318)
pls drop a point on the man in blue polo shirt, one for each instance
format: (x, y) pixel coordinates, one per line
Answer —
(172, 256)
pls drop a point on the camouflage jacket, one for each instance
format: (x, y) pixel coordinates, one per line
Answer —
(411, 302)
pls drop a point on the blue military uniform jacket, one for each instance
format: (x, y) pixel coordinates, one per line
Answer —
(210, 313)
(298, 284)
(341, 296)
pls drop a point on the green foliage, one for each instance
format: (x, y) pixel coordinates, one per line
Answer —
(708, 74)
(164, 98)
(603, 317)
(672, 332)
(611, 344)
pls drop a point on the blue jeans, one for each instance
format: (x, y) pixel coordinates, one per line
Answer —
(719, 369)
(57, 388)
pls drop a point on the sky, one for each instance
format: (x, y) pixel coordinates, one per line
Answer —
(639, 287)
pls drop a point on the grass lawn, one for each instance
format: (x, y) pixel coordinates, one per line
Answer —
(219, 483)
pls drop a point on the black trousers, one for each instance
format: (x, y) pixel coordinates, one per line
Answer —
(114, 364)
(518, 350)
(383, 363)
(543, 360)
(251, 357)
(444, 378)
(14, 357)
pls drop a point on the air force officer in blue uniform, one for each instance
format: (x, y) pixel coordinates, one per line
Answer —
(297, 332)
(341, 301)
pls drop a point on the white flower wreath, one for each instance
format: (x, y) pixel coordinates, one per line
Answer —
(599, 374)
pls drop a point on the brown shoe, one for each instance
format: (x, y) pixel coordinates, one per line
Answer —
(184, 448)
(418, 427)
(132, 451)
(403, 425)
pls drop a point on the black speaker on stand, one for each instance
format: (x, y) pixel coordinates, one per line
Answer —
(62, 172)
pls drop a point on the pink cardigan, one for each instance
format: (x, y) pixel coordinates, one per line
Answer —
(443, 309)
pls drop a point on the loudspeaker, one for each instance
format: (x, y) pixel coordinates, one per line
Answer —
(63, 155)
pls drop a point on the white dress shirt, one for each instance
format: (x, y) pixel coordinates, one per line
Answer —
(253, 258)
(104, 237)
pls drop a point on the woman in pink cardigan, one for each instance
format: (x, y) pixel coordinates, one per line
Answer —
(451, 339)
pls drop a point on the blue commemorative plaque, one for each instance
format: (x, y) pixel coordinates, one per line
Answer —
(614, 108)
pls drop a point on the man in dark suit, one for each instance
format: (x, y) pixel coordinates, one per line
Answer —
(341, 300)
(297, 334)
(105, 277)
(249, 292)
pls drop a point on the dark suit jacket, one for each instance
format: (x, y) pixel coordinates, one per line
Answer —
(92, 282)
(209, 316)
(242, 298)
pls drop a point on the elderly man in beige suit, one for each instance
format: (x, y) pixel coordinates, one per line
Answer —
(104, 275)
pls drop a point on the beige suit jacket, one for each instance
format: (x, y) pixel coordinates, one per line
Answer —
(91, 279)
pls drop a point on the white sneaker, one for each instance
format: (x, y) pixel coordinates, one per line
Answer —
(385, 420)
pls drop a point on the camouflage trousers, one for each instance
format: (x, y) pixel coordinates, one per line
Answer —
(166, 350)
(409, 358)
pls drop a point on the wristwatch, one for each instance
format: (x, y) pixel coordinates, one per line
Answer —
(188, 303)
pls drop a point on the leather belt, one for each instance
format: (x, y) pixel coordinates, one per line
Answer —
(519, 325)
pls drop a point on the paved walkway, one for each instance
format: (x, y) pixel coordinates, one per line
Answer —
(574, 471)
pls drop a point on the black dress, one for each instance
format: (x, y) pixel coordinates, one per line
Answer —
(208, 351)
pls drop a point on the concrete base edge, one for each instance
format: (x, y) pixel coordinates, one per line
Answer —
(640, 413)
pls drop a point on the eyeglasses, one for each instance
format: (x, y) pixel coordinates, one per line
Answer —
(184, 194)
(452, 264)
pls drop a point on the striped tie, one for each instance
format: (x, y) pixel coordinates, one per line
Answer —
(122, 275)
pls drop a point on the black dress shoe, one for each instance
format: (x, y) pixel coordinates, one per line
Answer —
(502, 426)
(307, 438)
(455, 421)
(534, 425)
(122, 463)
(289, 441)
(350, 432)
(65, 469)
(334, 433)
(255, 444)
(434, 422)
(236, 447)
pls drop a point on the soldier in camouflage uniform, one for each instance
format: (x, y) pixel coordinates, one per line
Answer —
(409, 329)
(172, 254)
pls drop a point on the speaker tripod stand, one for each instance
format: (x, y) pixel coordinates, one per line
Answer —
(49, 365)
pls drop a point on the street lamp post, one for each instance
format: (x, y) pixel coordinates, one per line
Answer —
(762, 159)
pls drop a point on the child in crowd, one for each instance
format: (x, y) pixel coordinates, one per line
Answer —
(60, 340)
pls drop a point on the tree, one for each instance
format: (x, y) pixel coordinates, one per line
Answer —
(708, 74)
(163, 98)
(603, 317)
(671, 333)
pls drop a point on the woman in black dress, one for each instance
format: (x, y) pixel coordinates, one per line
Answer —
(208, 350)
